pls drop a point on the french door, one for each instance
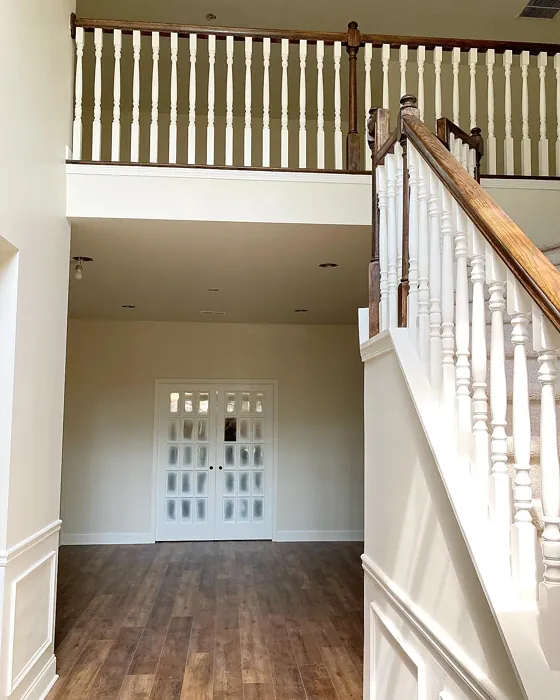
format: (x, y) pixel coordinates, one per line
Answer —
(215, 457)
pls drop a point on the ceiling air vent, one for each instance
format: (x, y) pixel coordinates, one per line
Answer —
(541, 9)
(213, 313)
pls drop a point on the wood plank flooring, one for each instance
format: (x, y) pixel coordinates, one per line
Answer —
(210, 621)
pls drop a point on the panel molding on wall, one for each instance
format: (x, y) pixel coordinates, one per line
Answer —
(319, 536)
(67, 538)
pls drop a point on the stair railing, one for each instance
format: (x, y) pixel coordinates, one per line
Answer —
(448, 264)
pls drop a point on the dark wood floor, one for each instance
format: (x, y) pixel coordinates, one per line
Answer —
(203, 621)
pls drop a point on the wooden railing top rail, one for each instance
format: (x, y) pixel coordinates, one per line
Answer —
(275, 35)
(530, 266)
(445, 127)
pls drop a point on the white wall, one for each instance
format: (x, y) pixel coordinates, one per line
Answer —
(35, 75)
(424, 601)
(108, 432)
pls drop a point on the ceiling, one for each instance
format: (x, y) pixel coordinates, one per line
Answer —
(263, 272)
(496, 19)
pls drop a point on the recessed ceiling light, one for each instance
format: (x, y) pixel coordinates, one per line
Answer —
(213, 289)
(213, 313)
(82, 258)
(328, 266)
(301, 311)
(128, 306)
(210, 17)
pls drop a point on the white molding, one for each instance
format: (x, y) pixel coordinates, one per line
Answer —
(10, 554)
(106, 538)
(319, 536)
(448, 652)
(529, 184)
(34, 691)
(376, 346)
(11, 682)
(216, 174)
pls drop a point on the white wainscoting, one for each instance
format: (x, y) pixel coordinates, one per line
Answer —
(107, 538)
(29, 568)
(319, 536)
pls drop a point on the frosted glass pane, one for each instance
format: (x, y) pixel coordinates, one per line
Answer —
(188, 428)
(174, 402)
(187, 456)
(203, 402)
(172, 483)
(229, 510)
(202, 484)
(259, 402)
(171, 510)
(186, 483)
(202, 429)
(230, 456)
(172, 434)
(186, 510)
(243, 510)
(230, 403)
(189, 402)
(244, 455)
(202, 457)
(244, 429)
(200, 512)
(243, 483)
(258, 483)
(230, 430)
(258, 456)
(258, 429)
(229, 482)
(172, 455)
(245, 402)
(258, 508)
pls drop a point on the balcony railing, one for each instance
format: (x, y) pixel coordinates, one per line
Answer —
(216, 96)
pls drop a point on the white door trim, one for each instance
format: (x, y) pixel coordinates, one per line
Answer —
(234, 382)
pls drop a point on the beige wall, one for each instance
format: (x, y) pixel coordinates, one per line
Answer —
(108, 435)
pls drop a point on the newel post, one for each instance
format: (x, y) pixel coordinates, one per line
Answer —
(353, 42)
(409, 105)
(476, 135)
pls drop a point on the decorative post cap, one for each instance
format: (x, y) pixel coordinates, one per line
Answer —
(409, 101)
(476, 133)
(352, 25)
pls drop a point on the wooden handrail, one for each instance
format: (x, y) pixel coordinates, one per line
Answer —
(521, 256)
(445, 127)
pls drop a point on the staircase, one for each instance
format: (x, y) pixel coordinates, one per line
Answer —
(470, 310)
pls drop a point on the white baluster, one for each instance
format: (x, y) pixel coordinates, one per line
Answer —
(465, 155)
(392, 280)
(421, 60)
(491, 140)
(116, 130)
(191, 137)
(284, 111)
(435, 281)
(438, 58)
(247, 133)
(543, 141)
(423, 266)
(155, 99)
(481, 445)
(229, 100)
(135, 127)
(473, 59)
(447, 304)
(500, 487)
(368, 54)
(525, 140)
(381, 176)
(174, 42)
(471, 165)
(509, 160)
(337, 108)
(413, 159)
(455, 62)
(266, 104)
(463, 366)
(210, 131)
(403, 58)
(557, 70)
(302, 104)
(78, 96)
(523, 532)
(96, 134)
(385, 57)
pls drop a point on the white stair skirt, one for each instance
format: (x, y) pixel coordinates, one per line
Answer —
(215, 461)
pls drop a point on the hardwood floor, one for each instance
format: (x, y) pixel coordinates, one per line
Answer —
(210, 621)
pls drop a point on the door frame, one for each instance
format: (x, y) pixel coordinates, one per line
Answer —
(155, 438)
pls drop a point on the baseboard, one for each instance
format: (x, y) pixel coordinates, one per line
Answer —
(44, 682)
(107, 538)
(319, 536)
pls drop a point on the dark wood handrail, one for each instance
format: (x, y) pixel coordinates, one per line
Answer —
(386, 147)
(521, 256)
(445, 127)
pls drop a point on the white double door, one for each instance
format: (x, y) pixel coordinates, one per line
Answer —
(215, 457)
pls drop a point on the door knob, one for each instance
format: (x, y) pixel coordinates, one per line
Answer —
(220, 468)
(211, 468)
